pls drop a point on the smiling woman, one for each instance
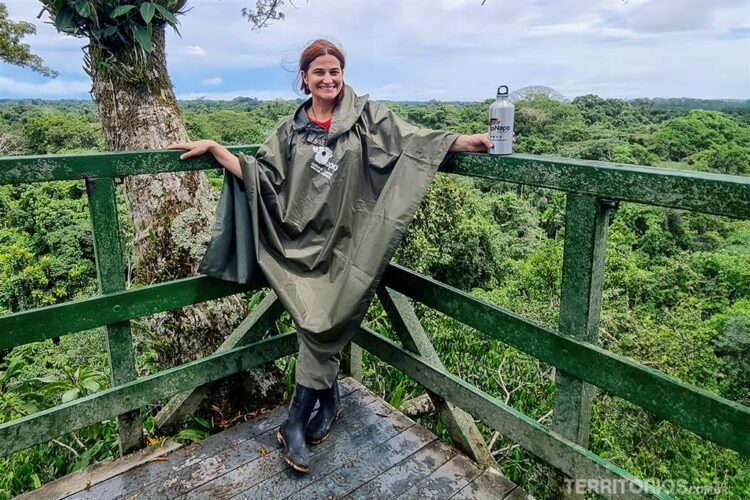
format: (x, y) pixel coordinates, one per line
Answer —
(321, 68)
(329, 196)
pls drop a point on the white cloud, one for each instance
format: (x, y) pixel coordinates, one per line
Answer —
(50, 88)
(264, 95)
(195, 50)
(669, 16)
(458, 49)
(216, 80)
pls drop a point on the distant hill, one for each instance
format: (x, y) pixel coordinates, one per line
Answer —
(687, 103)
(249, 103)
(527, 92)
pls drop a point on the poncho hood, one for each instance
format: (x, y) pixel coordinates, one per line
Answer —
(345, 115)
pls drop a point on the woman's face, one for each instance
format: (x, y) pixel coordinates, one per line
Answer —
(324, 77)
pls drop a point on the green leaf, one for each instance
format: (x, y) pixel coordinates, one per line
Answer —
(191, 435)
(14, 366)
(29, 408)
(202, 422)
(91, 385)
(166, 14)
(148, 10)
(87, 456)
(108, 31)
(64, 19)
(148, 424)
(83, 7)
(121, 10)
(70, 395)
(142, 37)
(254, 300)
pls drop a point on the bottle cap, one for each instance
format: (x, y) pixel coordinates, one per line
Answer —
(502, 90)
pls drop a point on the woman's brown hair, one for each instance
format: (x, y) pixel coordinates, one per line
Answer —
(314, 50)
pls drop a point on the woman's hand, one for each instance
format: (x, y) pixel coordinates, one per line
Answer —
(195, 148)
(476, 143)
(221, 154)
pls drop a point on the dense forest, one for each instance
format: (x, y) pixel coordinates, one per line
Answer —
(676, 295)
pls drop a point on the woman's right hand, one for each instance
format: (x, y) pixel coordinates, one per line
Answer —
(221, 154)
(195, 148)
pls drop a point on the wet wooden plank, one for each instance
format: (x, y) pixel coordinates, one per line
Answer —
(399, 478)
(348, 386)
(221, 467)
(229, 439)
(100, 472)
(215, 469)
(365, 467)
(270, 477)
(449, 479)
(189, 458)
(374, 451)
(382, 424)
(518, 494)
(490, 485)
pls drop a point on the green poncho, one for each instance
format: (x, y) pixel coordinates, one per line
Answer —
(327, 211)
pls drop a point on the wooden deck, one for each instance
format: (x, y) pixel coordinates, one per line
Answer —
(374, 451)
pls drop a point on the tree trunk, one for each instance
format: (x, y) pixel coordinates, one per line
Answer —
(172, 213)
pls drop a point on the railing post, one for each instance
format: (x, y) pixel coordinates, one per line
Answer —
(351, 361)
(585, 252)
(110, 271)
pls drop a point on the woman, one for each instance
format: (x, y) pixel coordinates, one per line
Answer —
(330, 194)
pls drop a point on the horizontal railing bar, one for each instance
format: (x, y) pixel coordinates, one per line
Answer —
(48, 424)
(42, 168)
(699, 191)
(562, 453)
(720, 420)
(55, 321)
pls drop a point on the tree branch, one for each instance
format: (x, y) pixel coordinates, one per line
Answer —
(264, 12)
(58, 443)
(13, 51)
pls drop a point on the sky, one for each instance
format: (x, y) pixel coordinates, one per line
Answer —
(450, 50)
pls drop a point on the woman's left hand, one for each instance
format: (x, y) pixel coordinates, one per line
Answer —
(476, 143)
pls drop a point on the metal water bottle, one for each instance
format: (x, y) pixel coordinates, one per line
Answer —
(501, 123)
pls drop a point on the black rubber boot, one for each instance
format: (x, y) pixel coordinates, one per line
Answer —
(291, 434)
(330, 407)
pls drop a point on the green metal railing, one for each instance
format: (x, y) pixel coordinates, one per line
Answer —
(592, 188)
